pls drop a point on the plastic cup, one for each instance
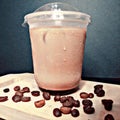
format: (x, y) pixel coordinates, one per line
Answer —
(57, 33)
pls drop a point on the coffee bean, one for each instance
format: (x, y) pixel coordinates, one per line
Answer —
(75, 113)
(26, 99)
(63, 99)
(109, 117)
(16, 88)
(57, 98)
(76, 103)
(6, 90)
(98, 86)
(68, 103)
(97, 90)
(19, 93)
(70, 98)
(16, 98)
(26, 89)
(87, 103)
(35, 93)
(39, 103)
(65, 110)
(84, 95)
(46, 95)
(107, 104)
(57, 112)
(89, 110)
(101, 93)
(3, 98)
(91, 95)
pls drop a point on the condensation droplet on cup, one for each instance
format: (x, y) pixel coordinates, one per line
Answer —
(64, 48)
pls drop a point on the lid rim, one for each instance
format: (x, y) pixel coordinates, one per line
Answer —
(31, 15)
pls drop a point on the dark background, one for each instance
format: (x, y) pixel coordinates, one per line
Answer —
(102, 50)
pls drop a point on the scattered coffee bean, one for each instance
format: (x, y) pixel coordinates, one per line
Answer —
(57, 98)
(16, 98)
(35, 93)
(6, 90)
(101, 93)
(63, 99)
(57, 112)
(98, 90)
(26, 89)
(76, 103)
(89, 110)
(109, 117)
(3, 98)
(26, 99)
(84, 95)
(68, 103)
(107, 104)
(19, 93)
(65, 110)
(46, 95)
(16, 88)
(71, 99)
(91, 95)
(39, 103)
(98, 86)
(75, 113)
(87, 103)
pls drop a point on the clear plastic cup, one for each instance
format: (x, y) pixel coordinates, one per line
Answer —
(57, 33)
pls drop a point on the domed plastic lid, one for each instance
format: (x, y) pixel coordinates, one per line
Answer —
(56, 11)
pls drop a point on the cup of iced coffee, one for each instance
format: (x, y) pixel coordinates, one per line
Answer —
(57, 33)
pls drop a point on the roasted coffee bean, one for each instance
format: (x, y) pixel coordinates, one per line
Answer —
(35, 93)
(6, 90)
(109, 117)
(84, 95)
(57, 112)
(26, 99)
(16, 88)
(39, 103)
(65, 110)
(107, 104)
(89, 110)
(46, 95)
(19, 93)
(87, 103)
(98, 90)
(101, 93)
(75, 113)
(98, 86)
(63, 99)
(3, 98)
(91, 95)
(16, 98)
(57, 98)
(26, 89)
(76, 103)
(71, 99)
(68, 103)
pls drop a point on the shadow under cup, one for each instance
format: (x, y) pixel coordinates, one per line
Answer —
(57, 40)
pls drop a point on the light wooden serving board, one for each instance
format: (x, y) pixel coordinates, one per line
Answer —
(27, 111)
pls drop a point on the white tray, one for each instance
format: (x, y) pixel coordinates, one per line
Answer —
(27, 111)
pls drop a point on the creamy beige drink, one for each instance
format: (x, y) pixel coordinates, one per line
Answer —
(57, 56)
(57, 33)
